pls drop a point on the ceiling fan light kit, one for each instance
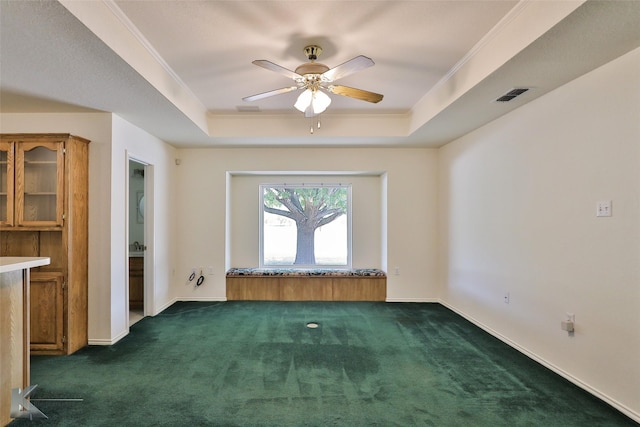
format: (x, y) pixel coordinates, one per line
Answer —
(316, 79)
(312, 102)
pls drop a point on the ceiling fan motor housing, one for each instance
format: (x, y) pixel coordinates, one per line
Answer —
(312, 52)
(311, 68)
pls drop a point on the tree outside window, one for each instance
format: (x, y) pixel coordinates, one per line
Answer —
(305, 226)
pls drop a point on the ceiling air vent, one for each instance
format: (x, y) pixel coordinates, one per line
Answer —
(248, 108)
(512, 94)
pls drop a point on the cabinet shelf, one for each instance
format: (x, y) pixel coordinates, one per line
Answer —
(41, 193)
(29, 229)
(41, 162)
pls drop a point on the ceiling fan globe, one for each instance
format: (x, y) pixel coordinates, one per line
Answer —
(312, 102)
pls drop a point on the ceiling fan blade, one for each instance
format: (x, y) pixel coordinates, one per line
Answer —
(351, 92)
(277, 68)
(351, 66)
(270, 93)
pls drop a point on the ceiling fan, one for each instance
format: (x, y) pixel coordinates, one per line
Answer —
(316, 79)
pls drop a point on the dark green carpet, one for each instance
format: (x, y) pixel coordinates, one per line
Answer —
(257, 364)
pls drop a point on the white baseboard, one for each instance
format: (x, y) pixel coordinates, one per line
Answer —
(162, 308)
(412, 300)
(602, 396)
(179, 299)
(201, 299)
(165, 306)
(100, 342)
(107, 341)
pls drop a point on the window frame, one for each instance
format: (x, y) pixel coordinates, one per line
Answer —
(349, 215)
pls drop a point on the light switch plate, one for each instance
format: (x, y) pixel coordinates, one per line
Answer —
(603, 208)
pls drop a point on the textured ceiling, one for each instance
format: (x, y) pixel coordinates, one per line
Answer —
(179, 69)
(414, 44)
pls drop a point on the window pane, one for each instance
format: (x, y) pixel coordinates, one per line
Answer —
(331, 243)
(279, 240)
(305, 226)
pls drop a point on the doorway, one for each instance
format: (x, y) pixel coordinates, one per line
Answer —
(137, 246)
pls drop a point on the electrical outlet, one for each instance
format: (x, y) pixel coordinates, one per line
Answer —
(397, 271)
(569, 324)
(506, 297)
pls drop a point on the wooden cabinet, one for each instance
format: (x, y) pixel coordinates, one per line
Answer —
(6, 183)
(136, 282)
(14, 328)
(47, 328)
(39, 173)
(44, 202)
(14, 351)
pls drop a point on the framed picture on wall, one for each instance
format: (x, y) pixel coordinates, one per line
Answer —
(140, 205)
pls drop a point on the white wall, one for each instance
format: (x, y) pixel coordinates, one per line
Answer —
(128, 142)
(408, 174)
(95, 127)
(517, 203)
(111, 138)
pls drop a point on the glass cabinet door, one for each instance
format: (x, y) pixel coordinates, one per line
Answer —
(39, 183)
(6, 183)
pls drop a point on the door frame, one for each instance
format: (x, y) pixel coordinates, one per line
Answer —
(149, 283)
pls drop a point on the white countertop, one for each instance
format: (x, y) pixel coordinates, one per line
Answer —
(13, 263)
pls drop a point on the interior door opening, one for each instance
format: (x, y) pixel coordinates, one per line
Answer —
(136, 241)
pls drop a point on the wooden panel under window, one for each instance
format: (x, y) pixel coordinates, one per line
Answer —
(306, 289)
(358, 288)
(252, 288)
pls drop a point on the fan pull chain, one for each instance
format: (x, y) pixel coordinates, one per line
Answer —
(318, 124)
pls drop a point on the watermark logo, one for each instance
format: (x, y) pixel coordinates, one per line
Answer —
(21, 407)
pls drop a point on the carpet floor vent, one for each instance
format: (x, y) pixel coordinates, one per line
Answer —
(512, 94)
